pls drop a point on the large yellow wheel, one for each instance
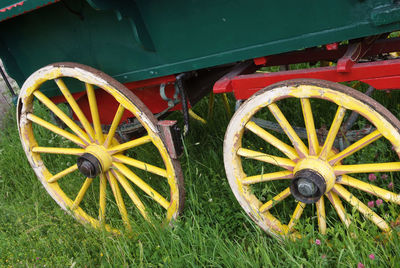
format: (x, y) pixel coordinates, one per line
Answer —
(85, 167)
(277, 176)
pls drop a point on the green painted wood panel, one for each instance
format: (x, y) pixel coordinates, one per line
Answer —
(135, 40)
(12, 8)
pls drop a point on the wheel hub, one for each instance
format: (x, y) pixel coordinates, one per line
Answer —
(313, 178)
(95, 160)
(88, 165)
(308, 186)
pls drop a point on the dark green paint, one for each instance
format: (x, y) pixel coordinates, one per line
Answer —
(386, 15)
(9, 10)
(135, 40)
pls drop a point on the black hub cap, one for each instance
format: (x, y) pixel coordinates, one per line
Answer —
(88, 165)
(307, 186)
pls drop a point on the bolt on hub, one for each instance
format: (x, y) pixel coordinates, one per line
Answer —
(307, 186)
(89, 165)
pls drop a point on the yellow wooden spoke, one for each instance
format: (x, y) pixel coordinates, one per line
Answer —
(130, 144)
(321, 215)
(275, 200)
(289, 151)
(296, 215)
(118, 198)
(75, 107)
(63, 173)
(102, 198)
(271, 159)
(197, 117)
(268, 177)
(95, 113)
(58, 150)
(60, 114)
(135, 199)
(226, 104)
(337, 121)
(337, 204)
(139, 164)
(81, 193)
(362, 143)
(141, 184)
(56, 130)
(369, 188)
(367, 168)
(298, 144)
(368, 213)
(312, 138)
(114, 125)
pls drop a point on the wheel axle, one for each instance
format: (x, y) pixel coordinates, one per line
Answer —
(89, 165)
(307, 186)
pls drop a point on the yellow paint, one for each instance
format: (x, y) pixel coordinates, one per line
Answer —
(296, 215)
(139, 164)
(225, 101)
(83, 138)
(274, 160)
(60, 114)
(101, 154)
(321, 215)
(298, 144)
(134, 197)
(197, 117)
(95, 113)
(141, 184)
(267, 177)
(58, 150)
(118, 198)
(367, 168)
(81, 193)
(57, 130)
(241, 183)
(369, 188)
(75, 107)
(114, 125)
(289, 151)
(63, 173)
(358, 145)
(310, 127)
(336, 123)
(341, 99)
(129, 145)
(275, 200)
(367, 212)
(102, 198)
(317, 165)
(337, 204)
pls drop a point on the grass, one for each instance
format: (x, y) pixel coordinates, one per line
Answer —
(213, 231)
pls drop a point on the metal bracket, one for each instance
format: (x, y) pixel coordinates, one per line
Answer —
(171, 102)
(172, 136)
(184, 99)
(13, 95)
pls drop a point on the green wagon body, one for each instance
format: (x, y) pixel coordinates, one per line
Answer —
(136, 40)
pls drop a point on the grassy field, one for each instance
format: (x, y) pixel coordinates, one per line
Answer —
(213, 231)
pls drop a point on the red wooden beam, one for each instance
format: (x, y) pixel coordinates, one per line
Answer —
(381, 74)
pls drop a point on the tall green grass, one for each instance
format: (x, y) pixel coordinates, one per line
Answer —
(213, 231)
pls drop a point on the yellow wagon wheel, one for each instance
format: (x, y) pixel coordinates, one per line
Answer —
(85, 169)
(278, 177)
